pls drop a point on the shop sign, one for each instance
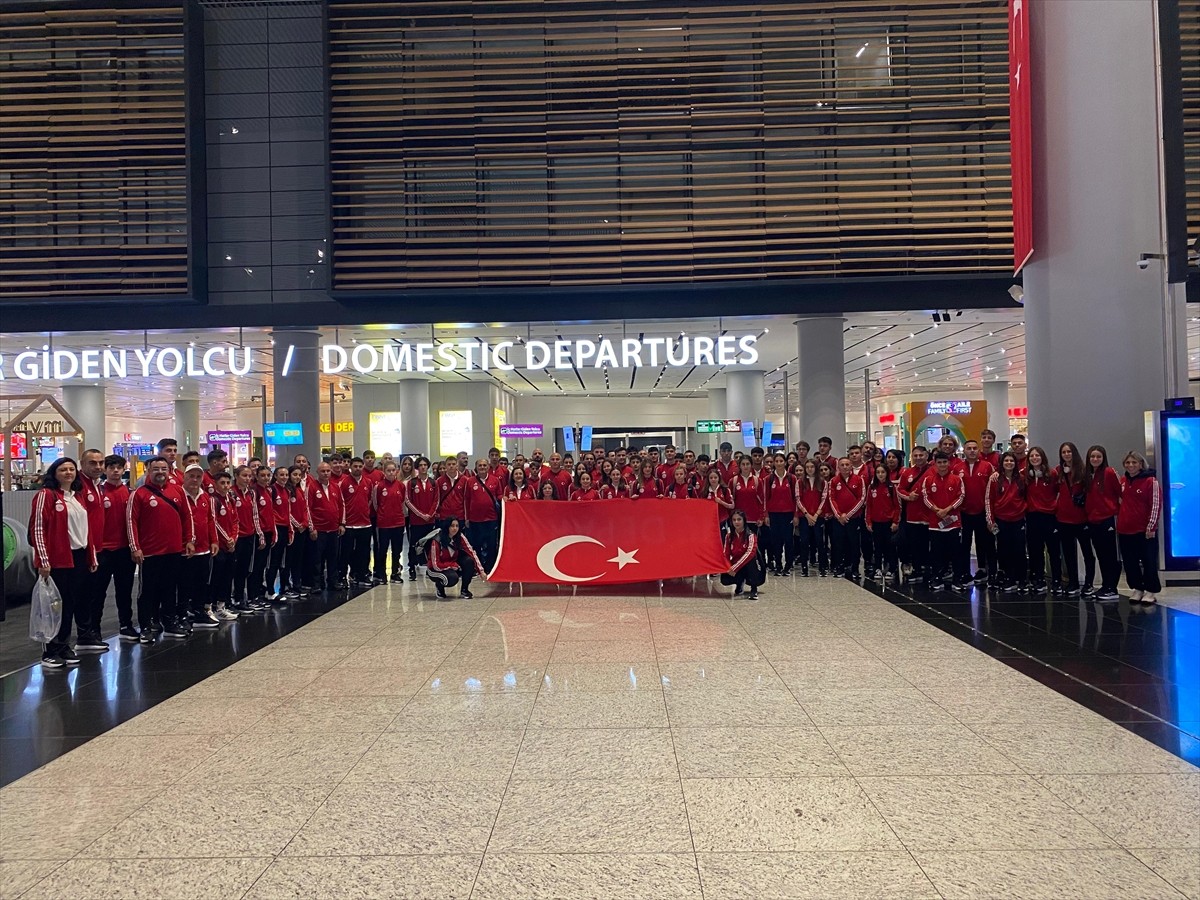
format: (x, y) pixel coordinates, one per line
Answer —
(339, 427)
(46, 364)
(229, 437)
(520, 431)
(710, 426)
(948, 408)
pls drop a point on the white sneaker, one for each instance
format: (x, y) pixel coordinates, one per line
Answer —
(1137, 596)
(208, 611)
(226, 615)
(1149, 598)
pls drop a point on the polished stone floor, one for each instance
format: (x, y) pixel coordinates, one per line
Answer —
(824, 741)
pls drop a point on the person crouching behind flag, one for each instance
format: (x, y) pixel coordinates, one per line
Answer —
(741, 549)
(450, 559)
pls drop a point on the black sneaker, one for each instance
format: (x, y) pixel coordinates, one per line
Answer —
(737, 592)
(68, 656)
(961, 585)
(51, 660)
(787, 572)
(156, 626)
(466, 595)
(1057, 591)
(1037, 588)
(397, 579)
(1088, 591)
(981, 577)
(441, 592)
(176, 631)
(339, 585)
(146, 636)
(938, 586)
(412, 573)
(804, 571)
(129, 635)
(822, 574)
(1107, 595)
(203, 620)
(753, 594)
(90, 643)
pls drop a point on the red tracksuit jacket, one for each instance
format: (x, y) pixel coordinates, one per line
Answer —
(1005, 501)
(203, 521)
(847, 496)
(115, 497)
(1041, 494)
(1141, 504)
(421, 498)
(780, 494)
(480, 505)
(246, 506)
(48, 532)
(226, 519)
(452, 498)
(356, 495)
(389, 498)
(975, 482)
(882, 504)
(942, 493)
(326, 507)
(1104, 497)
(740, 549)
(159, 525)
(811, 500)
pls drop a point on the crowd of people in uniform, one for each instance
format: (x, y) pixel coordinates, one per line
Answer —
(214, 543)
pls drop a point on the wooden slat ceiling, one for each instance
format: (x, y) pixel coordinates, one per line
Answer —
(559, 142)
(93, 191)
(1189, 40)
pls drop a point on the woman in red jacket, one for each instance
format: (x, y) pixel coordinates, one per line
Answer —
(1071, 517)
(1103, 498)
(64, 550)
(1004, 506)
(518, 487)
(583, 487)
(264, 499)
(1041, 529)
(547, 490)
(678, 488)
(716, 491)
(883, 521)
(611, 484)
(741, 549)
(450, 559)
(812, 496)
(1137, 528)
(281, 503)
(747, 493)
(779, 503)
(644, 483)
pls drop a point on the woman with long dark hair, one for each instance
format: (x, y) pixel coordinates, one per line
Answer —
(281, 505)
(519, 487)
(583, 487)
(644, 483)
(64, 550)
(779, 496)
(1041, 528)
(548, 490)
(715, 490)
(611, 485)
(812, 495)
(1004, 506)
(1071, 517)
(1103, 492)
(450, 559)
(741, 549)
(882, 520)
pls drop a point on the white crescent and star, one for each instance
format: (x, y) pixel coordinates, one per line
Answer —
(548, 554)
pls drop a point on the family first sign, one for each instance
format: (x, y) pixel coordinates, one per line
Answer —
(45, 364)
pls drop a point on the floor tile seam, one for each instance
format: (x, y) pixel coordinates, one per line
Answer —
(1026, 655)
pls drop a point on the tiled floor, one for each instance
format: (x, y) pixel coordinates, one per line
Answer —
(821, 742)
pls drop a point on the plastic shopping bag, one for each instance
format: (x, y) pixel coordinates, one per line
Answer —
(45, 612)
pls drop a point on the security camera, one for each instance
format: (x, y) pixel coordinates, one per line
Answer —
(1144, 259)
(1143, 263)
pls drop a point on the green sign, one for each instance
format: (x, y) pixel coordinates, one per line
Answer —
(710, 426)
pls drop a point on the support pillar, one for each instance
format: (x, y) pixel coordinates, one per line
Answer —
(821, 386)
(1100, 342)
(716, 403)
(296, 387)
(187, 424)
(409, 398)
(746, 397)
(85, 403)
(995, 394)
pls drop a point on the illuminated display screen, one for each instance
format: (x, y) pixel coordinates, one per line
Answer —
(1181, 490)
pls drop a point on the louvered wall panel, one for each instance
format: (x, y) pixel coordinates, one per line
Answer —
(558, 142)
(1189, 40)
(93, 155)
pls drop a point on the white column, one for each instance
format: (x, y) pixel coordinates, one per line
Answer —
(1096, 324)
(716, 403)
(745, 397)
(995, 394)
(410, 398)
(85, 403)
(187, 424)
(820, 390)
(414, 403)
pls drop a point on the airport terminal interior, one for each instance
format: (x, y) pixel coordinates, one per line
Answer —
(872, 327)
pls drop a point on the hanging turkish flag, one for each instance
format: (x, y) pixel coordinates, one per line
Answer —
(1020, 131)
(608, 541)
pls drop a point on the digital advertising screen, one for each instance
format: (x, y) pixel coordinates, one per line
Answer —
(1181, 489)
(384, 431)
(456, 433)
(18, 446)
(279, 434)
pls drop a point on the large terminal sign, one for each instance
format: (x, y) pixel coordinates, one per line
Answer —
(45, 364)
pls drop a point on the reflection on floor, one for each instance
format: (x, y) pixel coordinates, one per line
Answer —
(821, 742)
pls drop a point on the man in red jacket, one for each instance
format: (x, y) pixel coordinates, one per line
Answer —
(943, 493)
(975, 475)
(847, 494)
(388, 501)
(558, 476)
(328, 513)
(160, 534)
(90, 611)
(484, 490)
(356, 543)
(916, 515)
(116, 562)
(452, 496)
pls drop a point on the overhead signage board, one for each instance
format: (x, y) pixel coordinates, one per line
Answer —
(521, 431)
(585, 438)
(93, 364)
(767, 428)
(278, 434)
(733, 426)
(499, 418)
(747, 434)
(229, 437)
(948, 407)
(710, 426)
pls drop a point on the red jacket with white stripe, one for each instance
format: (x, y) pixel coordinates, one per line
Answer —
(975, 478)
(780, 494)
(421, 499)
(1041, 493)
(389, 500)
(942, 492)
(48, 534)
(882, 504)
(439, 556)
(740, 548)
(203, 521)
(847, 496)
(327, 508)
(246, 506)
(1141, 504)
(810, 501)
(225, 518)
(159, 524)
(452, 497)
(357, 497)
(1005, 501)
(481, 505)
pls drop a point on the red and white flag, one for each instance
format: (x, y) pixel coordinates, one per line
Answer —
(608, 541)
(1020, 125)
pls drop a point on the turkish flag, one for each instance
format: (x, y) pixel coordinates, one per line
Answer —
(1020, 131)
(608, 541)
